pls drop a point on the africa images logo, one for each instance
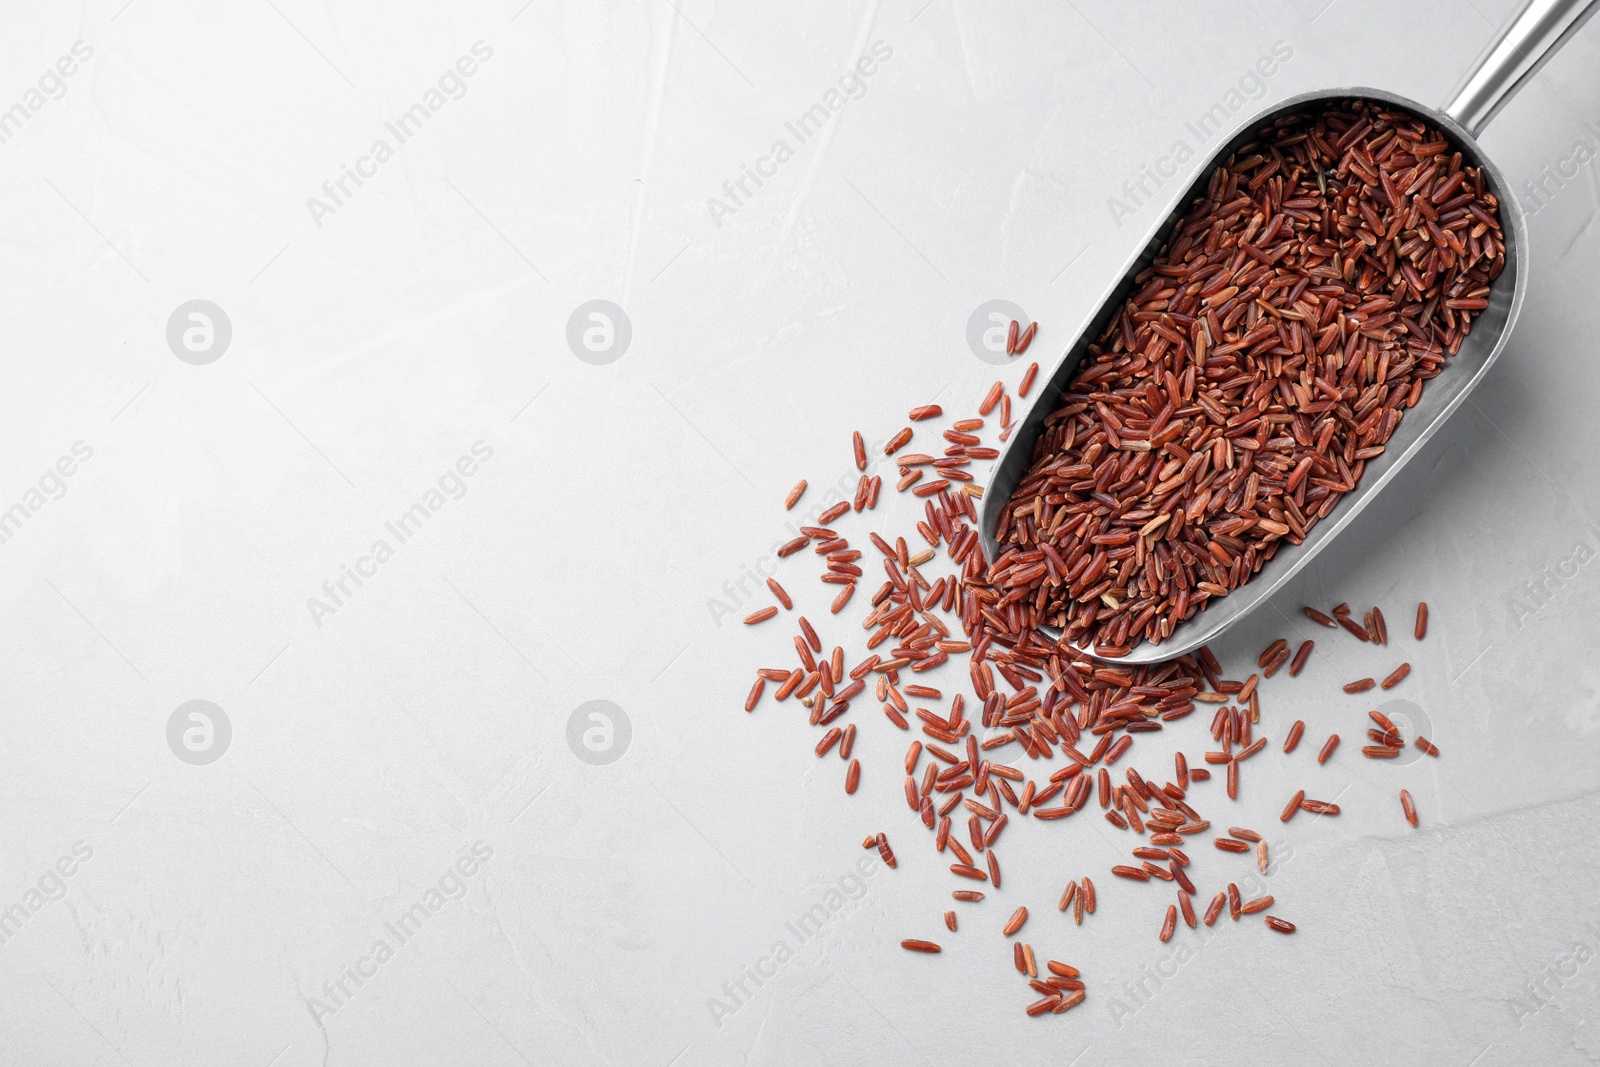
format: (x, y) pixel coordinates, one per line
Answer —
(451, 85)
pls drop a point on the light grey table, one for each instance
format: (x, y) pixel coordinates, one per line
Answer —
(381, 387)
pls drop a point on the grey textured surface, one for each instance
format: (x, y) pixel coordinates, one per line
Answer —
(376, 741)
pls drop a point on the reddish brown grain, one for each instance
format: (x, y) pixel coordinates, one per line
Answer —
(1318, 617)
(1355, 629)
(882, 841)
(1293, 806)
(1039, 1007)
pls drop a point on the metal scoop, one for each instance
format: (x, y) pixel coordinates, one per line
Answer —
(1532, 37)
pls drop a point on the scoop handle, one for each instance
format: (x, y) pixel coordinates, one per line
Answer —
(1539, 29)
